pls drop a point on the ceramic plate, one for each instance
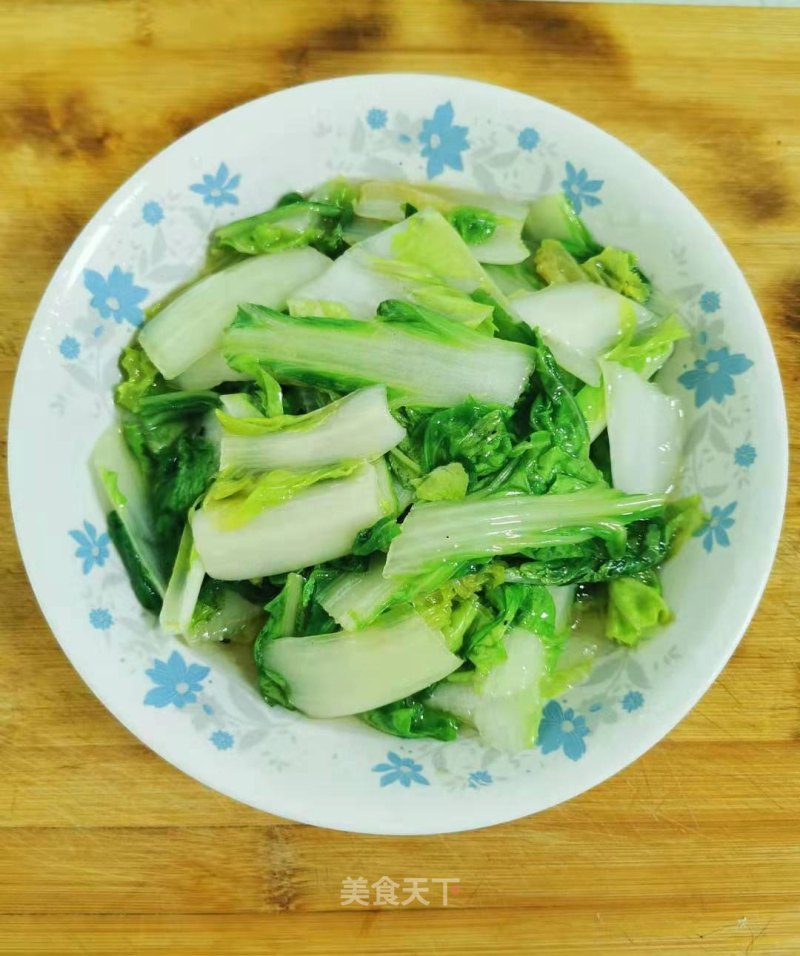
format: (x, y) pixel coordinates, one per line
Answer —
(201, 710)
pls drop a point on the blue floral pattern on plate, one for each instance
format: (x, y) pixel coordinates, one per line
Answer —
(152, 213)
(92, 547)
(479, 778)
(745, 455)
(176, 682)
(116, 295)
(712, 375)
(100, 618)
(402, 770)
(632, 701)
(715, 530)
(221, 739)
(376, 119)
(528, 139)
(562, 729)
(442, 141)
(218, 189)
(69, 347)
(580, 189)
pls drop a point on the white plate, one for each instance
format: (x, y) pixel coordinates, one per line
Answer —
(201, 711)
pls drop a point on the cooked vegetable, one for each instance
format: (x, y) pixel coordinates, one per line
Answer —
(313, 525)
(368, 439)
(491, 225)
(617, 269)
(356, 598)
(555, 265)
(554, 217)
(505, 706)
(645, 354)
(130, 520)
(644, 432)
(190, 327)
(479, 527)
(421, 358)
(223, 615)
(422, 260)
(413, 717)
(183, 588)
(332, 675)
(290, 226)
(356, 427)
(580, 323)
(209, 371)
(635, 605)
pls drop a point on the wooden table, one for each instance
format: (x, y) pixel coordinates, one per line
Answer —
(106, 848)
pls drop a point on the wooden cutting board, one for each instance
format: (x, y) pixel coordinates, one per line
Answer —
(107, 849)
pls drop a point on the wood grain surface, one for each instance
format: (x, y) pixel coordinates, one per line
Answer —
(107, 849)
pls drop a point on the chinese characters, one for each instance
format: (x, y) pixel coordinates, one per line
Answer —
(358, 891)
